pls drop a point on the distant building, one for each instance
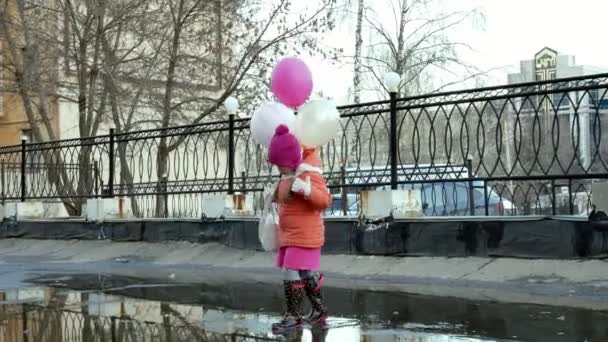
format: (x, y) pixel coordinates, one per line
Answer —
(548, 64)
(574, 111)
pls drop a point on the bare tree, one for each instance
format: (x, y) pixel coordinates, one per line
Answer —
(142, 64)
(78, 50)
(358, 52)
(25, 63)
(414, 44)
(30, 71)
(410, 38)
(253, 41)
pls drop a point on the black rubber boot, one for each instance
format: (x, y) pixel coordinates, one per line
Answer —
(294, 297)
(312, 286)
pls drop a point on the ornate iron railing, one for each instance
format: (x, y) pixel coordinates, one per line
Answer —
(532, 148)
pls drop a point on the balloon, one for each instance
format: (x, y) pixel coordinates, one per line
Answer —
(267, 118)
(291, 82)
(317, 123)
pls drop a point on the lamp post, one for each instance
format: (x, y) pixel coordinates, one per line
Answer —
(112, 161)
(23, 162)
(391, 82)
(232, 106)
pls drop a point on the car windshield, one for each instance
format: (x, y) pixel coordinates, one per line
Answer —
(438, 198)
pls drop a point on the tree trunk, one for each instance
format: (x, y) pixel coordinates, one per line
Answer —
(27, 81)
(358, 48)
(162, 158)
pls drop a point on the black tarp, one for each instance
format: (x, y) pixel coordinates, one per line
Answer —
(340, 237)
(536, 238)
(242, 234)
(532, 238)
(54, 230)
(126, 231)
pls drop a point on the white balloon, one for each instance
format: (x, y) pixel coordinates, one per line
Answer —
(317, 123)
(267, 118)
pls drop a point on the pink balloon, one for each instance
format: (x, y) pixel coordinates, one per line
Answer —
(292, 82)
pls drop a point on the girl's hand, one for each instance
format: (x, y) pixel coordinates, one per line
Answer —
(302, 187)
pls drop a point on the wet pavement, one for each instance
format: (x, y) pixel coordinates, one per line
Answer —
(97, 307)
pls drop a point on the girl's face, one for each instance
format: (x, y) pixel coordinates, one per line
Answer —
(286, 171)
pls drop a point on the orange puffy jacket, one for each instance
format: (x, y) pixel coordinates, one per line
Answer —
(301, 218)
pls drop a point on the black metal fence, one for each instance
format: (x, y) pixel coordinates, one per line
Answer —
(522, 149)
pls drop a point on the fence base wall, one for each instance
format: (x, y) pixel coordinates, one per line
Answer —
(33, 210)
(529, 238)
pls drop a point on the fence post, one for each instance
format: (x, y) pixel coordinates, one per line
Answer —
(570, 199)
(231, 154)
(113, 328)
(111, 164)
(23, 161)
(25, 327)
(165, 192)
(96, 176)
(471, 191)
(243, 182)
(486, 200)
(3, 182)
(553, 198)
(343, 192)
(393, 140)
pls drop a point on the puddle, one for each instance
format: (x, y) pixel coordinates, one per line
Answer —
(91, 308)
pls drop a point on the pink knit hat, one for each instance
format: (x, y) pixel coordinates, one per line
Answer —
(284, 150)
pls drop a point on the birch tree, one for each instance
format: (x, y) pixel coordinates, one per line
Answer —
(357, 72)
(411, 38)
(254, 37)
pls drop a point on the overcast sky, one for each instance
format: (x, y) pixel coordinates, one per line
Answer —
(513, 30)
(517, 29)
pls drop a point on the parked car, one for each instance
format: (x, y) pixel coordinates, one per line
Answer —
(438, 199)
(454, 199)
(441, 192)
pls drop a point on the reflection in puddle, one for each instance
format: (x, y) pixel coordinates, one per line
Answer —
(105, 308)
(59, 315)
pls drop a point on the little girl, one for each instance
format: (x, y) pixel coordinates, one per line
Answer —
(302, 196)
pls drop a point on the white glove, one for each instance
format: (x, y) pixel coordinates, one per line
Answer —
(302, 187)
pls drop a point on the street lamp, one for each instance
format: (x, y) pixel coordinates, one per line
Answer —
(24, 139)
(392, 81)
(232, 105)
